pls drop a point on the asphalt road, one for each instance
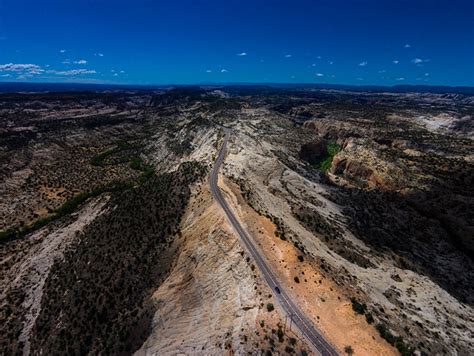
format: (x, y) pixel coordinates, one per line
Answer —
(299, 319)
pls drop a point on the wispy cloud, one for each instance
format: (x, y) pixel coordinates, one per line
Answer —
(288, 55)
(62, 51)
(396, 61)
(26, 69)
(419, 61)
(331, 62)
(427, 74)
(208, 71)
(72, 72)
(12, 67)
(363, 64)
(407, 46)
(400, 79)
(319, 74)
(382, 71)
(242, 54)
(98, 54)
(313, 65)
(80, 61)
(224, 70)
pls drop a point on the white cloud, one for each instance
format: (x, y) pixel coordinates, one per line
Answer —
(407, 46)
(319, 57)
(62, 51)
(6, 75)
(72, 72)
(288, 56)
(363, 64)
(122, 72)
(360, 78)
(400, 79)
(419, 61)
(66, 61)
(382, 71)
(81, 61)
(23, 69)
(20, 67)
(293, 77)
(224, 70)
(115, 75)
(331, 62)
(242, 54)
(396, 61)
(208, 71)
(427, 74)
(313, 65)
(98, 54)
(319, 74)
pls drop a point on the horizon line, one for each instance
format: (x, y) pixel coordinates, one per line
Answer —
(236, 83)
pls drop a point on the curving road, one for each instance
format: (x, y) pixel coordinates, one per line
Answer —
(299, 319)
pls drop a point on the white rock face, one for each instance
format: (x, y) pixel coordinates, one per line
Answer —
(210, 294)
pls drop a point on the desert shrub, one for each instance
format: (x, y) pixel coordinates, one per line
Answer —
(270, 307)
(358, 307)
(101, 290)
(386, 334)
(136, 163)
(280, 334)
(369, 317)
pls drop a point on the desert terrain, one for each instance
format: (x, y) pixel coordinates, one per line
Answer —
(360, 202)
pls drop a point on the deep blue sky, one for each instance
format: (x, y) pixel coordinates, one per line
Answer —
(163, 42)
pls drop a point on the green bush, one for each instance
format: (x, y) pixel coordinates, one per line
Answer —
(384, 333)
(270, 307)
(333, 149)
(348, 350)
(358, 307)
(136, 163)
(369, 318)
(280, 334)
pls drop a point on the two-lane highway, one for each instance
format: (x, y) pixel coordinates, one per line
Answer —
(299, 319)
